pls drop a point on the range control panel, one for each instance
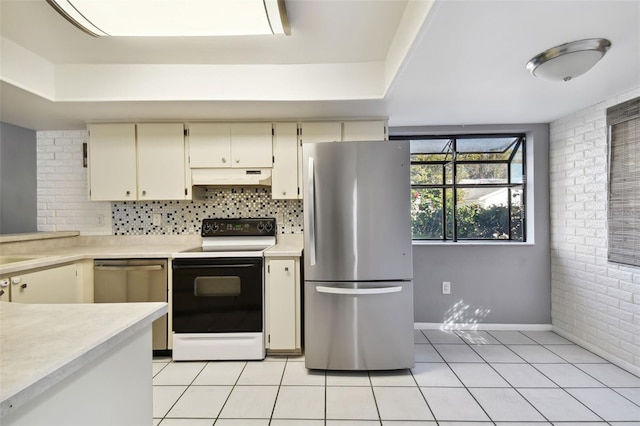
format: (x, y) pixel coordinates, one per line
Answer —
(253, 227)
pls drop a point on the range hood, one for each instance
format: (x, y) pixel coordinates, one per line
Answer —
(231, 177)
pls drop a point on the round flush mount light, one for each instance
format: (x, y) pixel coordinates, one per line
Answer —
(569, 60)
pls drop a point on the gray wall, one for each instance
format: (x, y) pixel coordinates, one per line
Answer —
(18, 179)
(495, 284)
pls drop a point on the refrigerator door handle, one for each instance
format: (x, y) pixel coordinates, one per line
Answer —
(358, 291)
(311, 184)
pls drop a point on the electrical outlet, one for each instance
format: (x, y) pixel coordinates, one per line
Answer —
(157, 219)
(446, 287)
(100, 217)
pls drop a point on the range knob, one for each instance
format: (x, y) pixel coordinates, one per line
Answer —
(260, 226)
(215, 227)
(206, 228)
(269, 227)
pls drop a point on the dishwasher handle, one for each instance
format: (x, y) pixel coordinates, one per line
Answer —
(129, 268)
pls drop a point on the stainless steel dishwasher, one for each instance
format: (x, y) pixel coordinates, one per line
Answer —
(133, 280)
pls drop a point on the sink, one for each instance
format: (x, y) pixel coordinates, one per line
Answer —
(4, 260)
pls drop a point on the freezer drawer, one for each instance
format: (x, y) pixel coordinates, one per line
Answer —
(359, 325)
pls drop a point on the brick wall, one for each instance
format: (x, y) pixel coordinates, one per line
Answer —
(63, 202)
(595, 302)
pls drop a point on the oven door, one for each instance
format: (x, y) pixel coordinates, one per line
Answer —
(218, 295)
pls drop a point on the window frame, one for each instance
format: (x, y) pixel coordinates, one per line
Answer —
(622, 184)
(520, 143)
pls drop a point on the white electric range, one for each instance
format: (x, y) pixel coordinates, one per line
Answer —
(218, 291)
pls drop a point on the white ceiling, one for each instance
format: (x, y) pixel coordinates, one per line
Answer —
(466, 65)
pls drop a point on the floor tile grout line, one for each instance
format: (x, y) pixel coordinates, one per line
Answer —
(235, 384)
(183, 392)
(463, 384)
(625, 397)
(423, 396)
(275, 401)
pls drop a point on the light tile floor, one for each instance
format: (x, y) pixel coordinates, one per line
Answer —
(461, 378)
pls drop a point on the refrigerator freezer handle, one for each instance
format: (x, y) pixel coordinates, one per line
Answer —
(358, 291)
(311, 184)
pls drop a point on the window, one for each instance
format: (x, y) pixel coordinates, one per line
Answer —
(624, 183)
(468, 187)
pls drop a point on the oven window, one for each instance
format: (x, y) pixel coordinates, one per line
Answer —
(217, 286)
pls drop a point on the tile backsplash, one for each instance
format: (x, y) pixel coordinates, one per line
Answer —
(185, 217)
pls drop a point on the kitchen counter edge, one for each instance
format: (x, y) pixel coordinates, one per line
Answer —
(24, 378)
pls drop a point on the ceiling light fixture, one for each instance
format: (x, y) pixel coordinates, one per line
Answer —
(175, 18)
(569, 60)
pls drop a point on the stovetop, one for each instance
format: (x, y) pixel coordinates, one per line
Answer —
(233, 238)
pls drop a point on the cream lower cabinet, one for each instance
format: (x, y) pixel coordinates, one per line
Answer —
(283, 323)
(54, 285)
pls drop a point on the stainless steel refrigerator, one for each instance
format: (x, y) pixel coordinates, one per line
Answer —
(357, 256)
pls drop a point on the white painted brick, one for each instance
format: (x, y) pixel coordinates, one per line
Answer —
(633, 308)
(607, 312)
(63, 141)
(62, 185)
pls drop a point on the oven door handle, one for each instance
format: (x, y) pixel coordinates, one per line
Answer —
(246, 265)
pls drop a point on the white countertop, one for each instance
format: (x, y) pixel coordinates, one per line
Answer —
(287, 245)
(40, 345)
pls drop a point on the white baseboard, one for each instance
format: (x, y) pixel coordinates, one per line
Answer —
(633, 369)
(472, 326)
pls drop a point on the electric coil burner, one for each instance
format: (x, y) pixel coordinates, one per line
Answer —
(218, 291)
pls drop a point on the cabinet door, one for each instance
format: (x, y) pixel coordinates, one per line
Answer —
(112, 162)
(284, 176)
(209, 145)
(251, 145)
(321, 132)
(161, 161)
(5, 284)
(364, 131)
(56, 285)
(281, 295)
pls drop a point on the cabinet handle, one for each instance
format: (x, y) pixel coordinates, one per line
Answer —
(237, 161)
(128, 193)
(224, 160)
(23, 285)
(144, 192)
(1, 292)
(286, 269)
(284, 192)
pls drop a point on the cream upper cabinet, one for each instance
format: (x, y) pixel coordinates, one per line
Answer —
(148, 166)
(364, 131)
(161, 165)
(283, 321)
(55, 285)
(328, 131)
(209, 145)
(284, 176)
(224, 145)
(251, 145)
(112, 162)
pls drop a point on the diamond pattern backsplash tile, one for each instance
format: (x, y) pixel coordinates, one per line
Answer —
(185, 217)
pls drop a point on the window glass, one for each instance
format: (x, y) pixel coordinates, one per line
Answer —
(468, 187)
